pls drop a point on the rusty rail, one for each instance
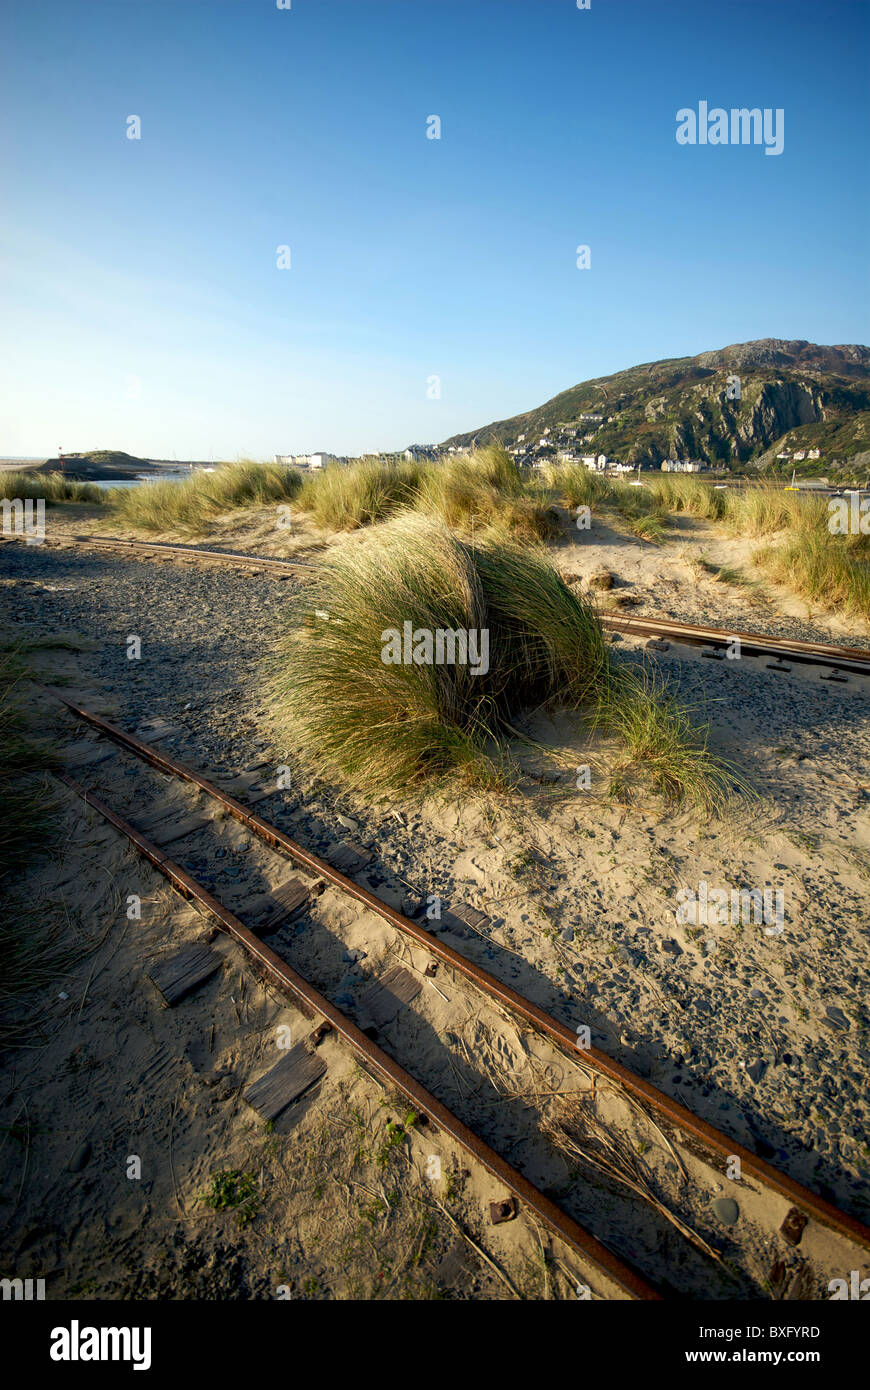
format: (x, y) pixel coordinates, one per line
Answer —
(840, 658)
(191, 552)
(584, 1244)
(712, 1139)
(285, 568)
(854, 659)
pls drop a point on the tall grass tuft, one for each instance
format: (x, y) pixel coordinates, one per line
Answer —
(343, 499)
(485, 492)
(191, 505)
(677, 493)
(640, 507)
(49, 487)
(663, 742)
(481, 492)
(379, 727)
(832, 570)
(761, 511)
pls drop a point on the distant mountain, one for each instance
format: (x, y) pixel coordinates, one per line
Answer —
(794, 395)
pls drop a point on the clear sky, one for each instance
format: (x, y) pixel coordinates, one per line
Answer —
(142, 304)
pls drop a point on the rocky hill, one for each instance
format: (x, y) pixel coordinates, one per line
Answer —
(794, 395)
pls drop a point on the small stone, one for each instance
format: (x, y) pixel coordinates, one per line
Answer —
(726, 1209)
(567, 933)
(348, 822)
(80, 1158)
(835, 1018)
(755, 1070)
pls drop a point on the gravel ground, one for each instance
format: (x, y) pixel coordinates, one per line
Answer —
(768, 1040)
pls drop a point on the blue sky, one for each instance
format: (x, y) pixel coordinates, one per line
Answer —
(142, 303)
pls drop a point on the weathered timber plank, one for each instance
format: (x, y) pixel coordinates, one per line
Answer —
(176, 830)
(462, 920)
(266, 912)
(286, 1081)
(347, 857)
(86, 753)
(383, 1000)
(155, 730)
(178, 975)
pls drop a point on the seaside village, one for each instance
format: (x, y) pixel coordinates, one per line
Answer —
(560, 444)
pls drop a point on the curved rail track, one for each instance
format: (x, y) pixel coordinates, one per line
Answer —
(839, 659)
(754, 644)
(718, 1148)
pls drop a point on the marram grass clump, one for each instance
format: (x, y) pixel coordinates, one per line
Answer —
(48, 487)
(417, 649)
(190, 506)
(482, 492)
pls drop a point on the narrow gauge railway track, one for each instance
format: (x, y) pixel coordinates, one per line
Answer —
(281, 569)
(713, 1142)
(841, 659)
(753, 644)
(591, 1251)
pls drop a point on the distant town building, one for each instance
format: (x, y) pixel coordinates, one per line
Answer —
(683, 466)
(308, 461)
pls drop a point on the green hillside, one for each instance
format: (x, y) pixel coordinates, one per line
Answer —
(794, 395)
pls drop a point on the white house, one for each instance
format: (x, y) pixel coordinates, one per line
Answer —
(306, 461)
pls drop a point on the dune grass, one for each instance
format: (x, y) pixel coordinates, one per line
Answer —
(190, 506)
(834, 571)
(762, 511)
(50, 487)
(343, 499)
(640, 508)
(485, 492)
(380, 727)
(677, 492)
(481, 492)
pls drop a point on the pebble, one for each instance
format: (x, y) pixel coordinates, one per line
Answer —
(80, 1158)
(835, 1018)
(726, 1209)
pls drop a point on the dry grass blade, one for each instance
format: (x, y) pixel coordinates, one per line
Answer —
(574, 1128)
